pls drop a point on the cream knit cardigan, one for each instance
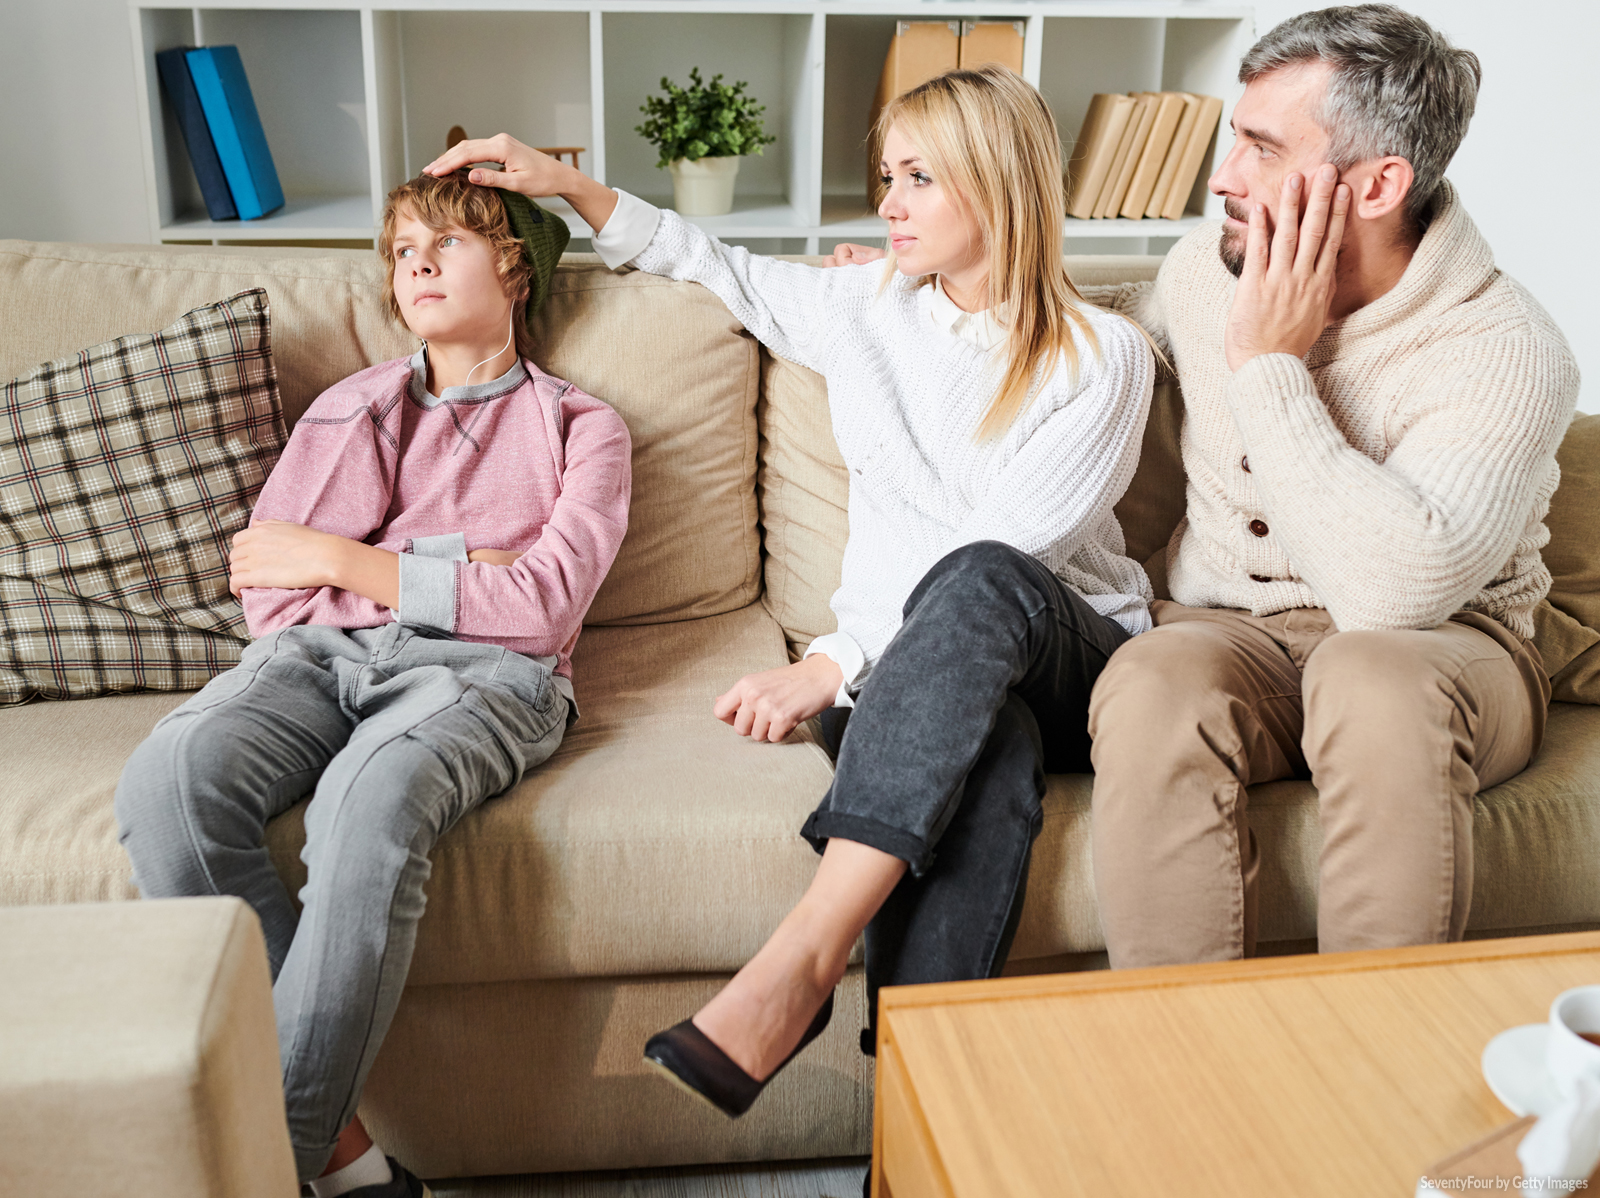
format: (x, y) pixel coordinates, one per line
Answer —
(1399, 473)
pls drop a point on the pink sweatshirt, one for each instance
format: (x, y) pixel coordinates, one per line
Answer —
(526, 462)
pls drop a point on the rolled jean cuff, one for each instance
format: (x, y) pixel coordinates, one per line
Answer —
(822, 826)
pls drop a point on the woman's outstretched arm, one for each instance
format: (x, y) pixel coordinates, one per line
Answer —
(790, 308)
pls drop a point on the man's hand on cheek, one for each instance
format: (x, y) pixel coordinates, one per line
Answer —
(1286, 290)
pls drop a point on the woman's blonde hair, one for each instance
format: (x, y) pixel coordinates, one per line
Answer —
(453, 202)
(990, 139)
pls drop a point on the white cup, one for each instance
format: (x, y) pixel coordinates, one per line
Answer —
(1568, 1055)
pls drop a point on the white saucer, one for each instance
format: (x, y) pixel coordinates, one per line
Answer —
(1514, 1067)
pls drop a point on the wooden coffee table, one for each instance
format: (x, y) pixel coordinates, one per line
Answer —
(1344, 1075)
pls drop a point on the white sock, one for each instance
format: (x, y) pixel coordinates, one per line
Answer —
(371, 1168)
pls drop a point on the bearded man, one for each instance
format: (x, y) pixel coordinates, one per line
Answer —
(1372, 410)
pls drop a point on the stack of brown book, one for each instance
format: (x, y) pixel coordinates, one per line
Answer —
(922, 49)
(1140, 155)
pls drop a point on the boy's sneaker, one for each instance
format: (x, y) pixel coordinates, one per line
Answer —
(403, 1184)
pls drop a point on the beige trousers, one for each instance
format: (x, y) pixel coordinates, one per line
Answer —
(1398, 730)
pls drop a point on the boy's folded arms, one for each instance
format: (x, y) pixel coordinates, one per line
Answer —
(339, 498)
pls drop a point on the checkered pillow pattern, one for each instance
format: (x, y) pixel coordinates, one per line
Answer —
(125, 469)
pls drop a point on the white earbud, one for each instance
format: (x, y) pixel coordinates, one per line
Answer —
(510, 329)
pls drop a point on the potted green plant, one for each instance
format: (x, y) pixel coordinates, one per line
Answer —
(701, 131)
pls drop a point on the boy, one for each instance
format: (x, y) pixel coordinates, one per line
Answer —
(413, 659)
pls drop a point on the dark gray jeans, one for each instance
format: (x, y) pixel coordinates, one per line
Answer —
(941, 763)
(396, 734)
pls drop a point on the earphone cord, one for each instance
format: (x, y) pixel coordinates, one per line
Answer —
(510, 328)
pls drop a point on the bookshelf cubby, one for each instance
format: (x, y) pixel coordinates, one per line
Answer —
(357, 99)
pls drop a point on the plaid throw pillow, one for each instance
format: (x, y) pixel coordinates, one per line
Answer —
(124, 471)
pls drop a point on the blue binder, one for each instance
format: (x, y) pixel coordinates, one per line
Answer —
(224, 92)
(175, 81)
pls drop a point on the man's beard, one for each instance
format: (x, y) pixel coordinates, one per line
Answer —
(1232, 246)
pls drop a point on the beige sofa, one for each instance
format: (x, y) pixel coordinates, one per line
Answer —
(611, 892)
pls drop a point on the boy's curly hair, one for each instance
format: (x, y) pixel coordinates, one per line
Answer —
(453, 202)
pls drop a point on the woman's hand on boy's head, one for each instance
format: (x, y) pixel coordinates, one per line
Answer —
(526, 170)
(529, 172)
(773, 703)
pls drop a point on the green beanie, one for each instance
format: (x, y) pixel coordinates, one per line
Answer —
(544, 236)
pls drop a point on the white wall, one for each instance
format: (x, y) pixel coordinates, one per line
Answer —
(69, 140)
(1528, 171)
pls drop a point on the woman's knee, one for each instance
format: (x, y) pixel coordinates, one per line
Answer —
(974, 575)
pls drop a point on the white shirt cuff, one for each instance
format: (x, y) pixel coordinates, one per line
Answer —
(626, 234)
(842, 650)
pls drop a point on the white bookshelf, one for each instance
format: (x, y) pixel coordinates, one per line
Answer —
(355, 100)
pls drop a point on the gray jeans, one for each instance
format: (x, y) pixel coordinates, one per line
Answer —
(396, 734)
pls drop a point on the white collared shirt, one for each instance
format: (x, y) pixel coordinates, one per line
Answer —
(981, 329)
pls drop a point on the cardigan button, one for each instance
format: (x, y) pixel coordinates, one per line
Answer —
(1259, 528)
(1244, 463)
(1259, 578)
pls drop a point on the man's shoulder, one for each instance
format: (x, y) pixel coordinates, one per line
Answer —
(1505, 309)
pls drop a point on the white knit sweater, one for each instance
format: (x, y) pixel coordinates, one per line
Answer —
(905, 397)
(1399, 473)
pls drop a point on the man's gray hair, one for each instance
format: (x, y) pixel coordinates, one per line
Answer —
(1398, 87)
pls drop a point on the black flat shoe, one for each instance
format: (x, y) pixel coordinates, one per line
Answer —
(685, 1056)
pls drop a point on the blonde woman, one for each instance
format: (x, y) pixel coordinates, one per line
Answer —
(990, 418)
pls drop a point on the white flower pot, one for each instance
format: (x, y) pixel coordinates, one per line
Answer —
(703, 187)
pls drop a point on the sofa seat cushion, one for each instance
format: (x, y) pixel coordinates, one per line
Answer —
(657, 841)
(654, 841)
(1533, 846)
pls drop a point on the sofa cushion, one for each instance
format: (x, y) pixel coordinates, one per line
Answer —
(804, 493)
(1155, 500)
(654, 841)
(804, 490)
(674, 362)
(125, 469)
(668, 356)
(1567, 623)
(657, 841)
